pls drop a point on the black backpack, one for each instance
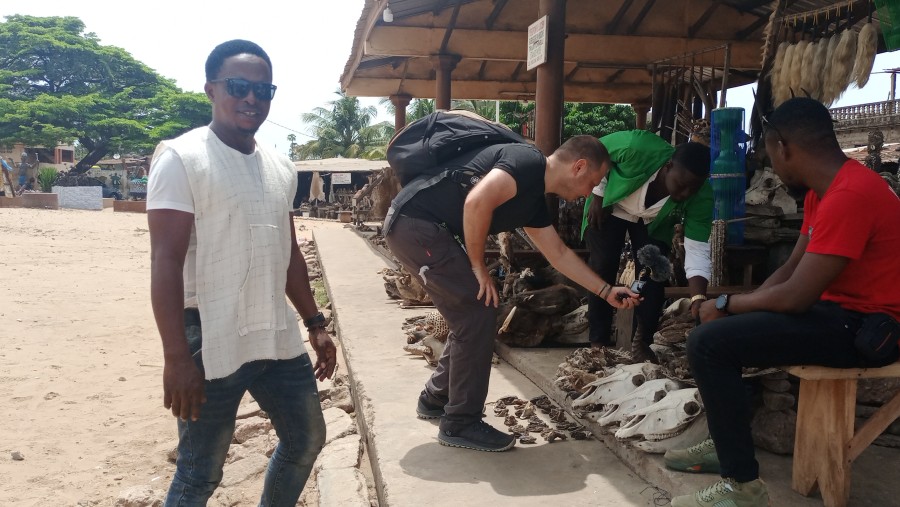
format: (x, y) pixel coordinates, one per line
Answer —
(418, 153)
(425, 144)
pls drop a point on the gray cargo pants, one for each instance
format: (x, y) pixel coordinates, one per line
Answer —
(431, 253)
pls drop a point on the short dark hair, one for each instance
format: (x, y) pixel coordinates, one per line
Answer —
(805, 122)
(583, 146)
(217, 57)
(694, 157)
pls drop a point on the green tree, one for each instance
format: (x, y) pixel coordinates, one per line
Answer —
(596, 119)
(58, 84)
(292, 138)
(345, 130)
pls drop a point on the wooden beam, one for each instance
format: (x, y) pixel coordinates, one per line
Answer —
(572, 72)
(580, 48)
(515, 74)
(611, 93)
(492, 17)
(701, 21)
(450, 26)
(751, 28)
(439, 6)
(481, 70)
(617, 19)
(615, 75)
(640, 17)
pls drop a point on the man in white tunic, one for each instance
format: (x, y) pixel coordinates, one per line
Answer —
(224, 254)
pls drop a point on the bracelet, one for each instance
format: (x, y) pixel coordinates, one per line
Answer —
(698, 297)
(316, 321)
(600, 292)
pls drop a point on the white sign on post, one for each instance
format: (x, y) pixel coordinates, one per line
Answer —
(537, 43)
(340, 178)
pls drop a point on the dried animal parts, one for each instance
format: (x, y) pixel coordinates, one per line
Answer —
(650, 392)
(824, 69)
(617, 383)
(401, 285)
(426, 336)
(522, 418)
(664, 419)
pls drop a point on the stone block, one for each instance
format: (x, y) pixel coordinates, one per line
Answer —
(344, 487)
(40, 200)
(246, 429)
(130, 206)
(141, 496)
(337, 424)
(11, 202)
(342, 453)
(90, 198)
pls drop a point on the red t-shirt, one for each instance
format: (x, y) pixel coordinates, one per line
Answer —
(858, 218)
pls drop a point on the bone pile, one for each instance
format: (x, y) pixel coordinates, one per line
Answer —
(523, 419)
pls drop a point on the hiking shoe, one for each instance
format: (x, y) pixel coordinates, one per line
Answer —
(727, 493)
(480, 436)
(427, 410)
(699, 459)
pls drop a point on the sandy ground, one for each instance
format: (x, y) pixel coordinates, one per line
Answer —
(80, 359)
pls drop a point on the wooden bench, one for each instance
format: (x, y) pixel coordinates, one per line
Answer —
(825, 444)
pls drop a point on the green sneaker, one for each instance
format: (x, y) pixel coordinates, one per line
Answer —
(700, 458)
(727, 493)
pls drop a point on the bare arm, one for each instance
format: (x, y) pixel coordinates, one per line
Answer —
(568, 263)
(784, 272)
(170, 233)
(497, 187)
(298, 290)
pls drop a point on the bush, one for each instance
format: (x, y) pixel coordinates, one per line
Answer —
(46, 177)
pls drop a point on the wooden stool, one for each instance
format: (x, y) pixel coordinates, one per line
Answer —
(825, 444)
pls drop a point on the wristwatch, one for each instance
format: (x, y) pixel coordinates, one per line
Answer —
(316, 321)
(722, 303)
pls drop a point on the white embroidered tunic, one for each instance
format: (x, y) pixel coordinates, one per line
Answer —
(235, 272)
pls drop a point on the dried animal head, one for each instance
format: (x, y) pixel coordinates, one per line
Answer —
(696, 432)
(649, 393)
(617, 383)
(664, 419)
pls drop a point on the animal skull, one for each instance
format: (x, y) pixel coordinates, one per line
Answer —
(647, 394)
(696, 432)
(664, 419)
(616, 384)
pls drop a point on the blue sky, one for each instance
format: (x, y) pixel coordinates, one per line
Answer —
(309, 43)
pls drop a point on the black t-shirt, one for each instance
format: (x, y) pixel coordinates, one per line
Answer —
(443, 202)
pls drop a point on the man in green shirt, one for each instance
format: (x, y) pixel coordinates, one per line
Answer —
(651, 187)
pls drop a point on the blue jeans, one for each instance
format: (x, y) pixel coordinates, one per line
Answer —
(287, 391)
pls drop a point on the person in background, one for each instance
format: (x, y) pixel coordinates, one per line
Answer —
(224, 255)
(817, 309)
(652, 187)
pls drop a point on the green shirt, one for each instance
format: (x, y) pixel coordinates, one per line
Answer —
(636, 156)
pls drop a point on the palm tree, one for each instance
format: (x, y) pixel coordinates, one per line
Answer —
(344, 130)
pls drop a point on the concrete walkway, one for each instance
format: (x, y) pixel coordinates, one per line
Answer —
(409, 465)
(411, 468)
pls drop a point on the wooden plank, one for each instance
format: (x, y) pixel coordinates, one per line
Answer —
(873, 427)
(825, 417)
(825, 373)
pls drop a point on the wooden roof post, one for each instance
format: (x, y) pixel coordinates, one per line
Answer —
(400, 101)
(443, 66)
(640, 116)
(549, 92)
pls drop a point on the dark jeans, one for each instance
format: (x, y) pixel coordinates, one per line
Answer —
(431, 253)
(717, 351)
(605, 245)
(286, 390)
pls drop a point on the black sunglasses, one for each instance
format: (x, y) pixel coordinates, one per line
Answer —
(239, 88)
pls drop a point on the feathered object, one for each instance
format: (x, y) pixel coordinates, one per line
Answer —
(651, 258)
(809, 78)
(782, 92)
(842, 67)
(775, 73)
(827, 93)
(819, 68)
(866, 48)
(797, 68)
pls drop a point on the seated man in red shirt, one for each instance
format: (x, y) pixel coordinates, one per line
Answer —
(843, 270)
